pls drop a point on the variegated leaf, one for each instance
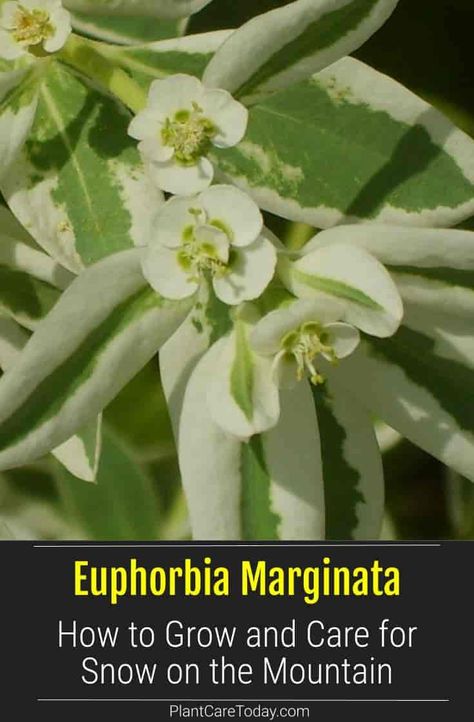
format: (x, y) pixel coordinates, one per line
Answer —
(126, 30)
(151, 8)
(18, 255)
(106, 326)
(351, 145)
(78, 185)
(433, 268)
(352, 465)
(270, 488)
(418, 382)
(80, 454)
(419, 379)
(18, 103)
(207, 323)
(279, 48)
(29, 279)
(189, 54)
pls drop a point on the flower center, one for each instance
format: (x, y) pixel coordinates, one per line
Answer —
(189, 133)
(31, 27)
(205, 248)
(304, 345)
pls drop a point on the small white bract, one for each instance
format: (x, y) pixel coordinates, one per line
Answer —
(217, 235)
(179, 126)
(33, 27)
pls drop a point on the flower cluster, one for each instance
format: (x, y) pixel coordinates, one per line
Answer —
(214, 235)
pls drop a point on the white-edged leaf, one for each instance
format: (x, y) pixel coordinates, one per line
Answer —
(206, 324)
(209, 462)
(78, 185)
(80, 454)
(350, 274)
(352, 464)
(243, 396)
(269, 488)
(189, 54)
(151, 8)
(417, 384)
(279, 48)
(18, 103)
(353, 145)
(433, 268)
(107, 325)
(123, 30)
(18, 255)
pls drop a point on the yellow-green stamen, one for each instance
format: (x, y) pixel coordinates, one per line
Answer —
(189, 133)
(31, 27)
(304, 345)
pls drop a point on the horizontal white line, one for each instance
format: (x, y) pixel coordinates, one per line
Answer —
(233, 701)
(217, 546)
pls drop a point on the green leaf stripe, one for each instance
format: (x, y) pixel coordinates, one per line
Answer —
(318, 36)
(341, 480)
(62, 383)
(445, 379)
(242, 374)
(449, 276)
(352, 144)
(336, 288)
(259, 521)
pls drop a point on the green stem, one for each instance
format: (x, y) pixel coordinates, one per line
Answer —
(85, 56)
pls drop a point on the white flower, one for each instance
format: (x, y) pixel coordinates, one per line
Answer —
(179, 126)
(32, 26)
(216, 235)
(281, 349)
(295, 336)
(340, 290)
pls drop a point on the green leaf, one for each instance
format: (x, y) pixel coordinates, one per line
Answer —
(279, 48)
(107, 325)
(352, 145)
(126, 30)
(150, 8)
(122, 506)
(18, 103)
(269, 489)
(78, 185)
(417, 383)
(352, 465)
(189, 54)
